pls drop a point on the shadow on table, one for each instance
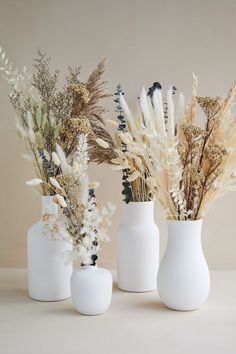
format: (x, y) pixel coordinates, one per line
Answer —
(63, 311)
(145, 302)
(153, 306)
(14, 296)
(115, 288)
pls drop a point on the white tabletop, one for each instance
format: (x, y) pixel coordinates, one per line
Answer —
(135, 323)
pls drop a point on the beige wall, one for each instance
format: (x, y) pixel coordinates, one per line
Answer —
(143, 41)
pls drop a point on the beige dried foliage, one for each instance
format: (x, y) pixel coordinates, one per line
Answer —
(186, 171)
(49, 116)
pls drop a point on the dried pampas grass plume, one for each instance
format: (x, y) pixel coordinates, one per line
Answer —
(34, 182)
(102, 143)
(58, 199)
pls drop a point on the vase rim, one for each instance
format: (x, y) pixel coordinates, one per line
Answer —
(136, 203)
(185, 221)
(89, 266)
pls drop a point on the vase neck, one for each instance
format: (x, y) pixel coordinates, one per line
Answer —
(186, 233)
(89, 267)
(48, 206)
(138, 212)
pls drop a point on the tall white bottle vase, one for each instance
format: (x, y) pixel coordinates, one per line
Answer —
(49, 259)
(137, 248)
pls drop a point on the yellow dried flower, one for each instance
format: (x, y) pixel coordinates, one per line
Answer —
(81, 124)
(66, 135)
(74, 125)
(209, 105)
(65, 180)
(215, 153)
(192, 131)
(80, 90)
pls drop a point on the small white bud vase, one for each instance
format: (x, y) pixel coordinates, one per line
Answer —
(183, 280)
(49, 259)
(91, 290)
(137, 248)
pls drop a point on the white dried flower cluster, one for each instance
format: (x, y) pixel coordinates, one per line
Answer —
(81, 157)
(152, 151)
(87, 221)
(94, 230)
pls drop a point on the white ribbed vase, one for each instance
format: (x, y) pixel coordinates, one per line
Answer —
(49, 259)
(137, 248)
(91, 290)
(183, 280)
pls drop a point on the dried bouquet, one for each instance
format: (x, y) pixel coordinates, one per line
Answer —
(135, 188)
(123, 158)
(86, 220)
(187, 166)
(47, 115)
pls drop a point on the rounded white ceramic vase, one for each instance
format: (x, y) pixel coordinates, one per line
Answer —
(183, 280)
(49, 259)
(91, 290)
(137, 248)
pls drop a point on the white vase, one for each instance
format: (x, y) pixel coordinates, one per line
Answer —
(137, 248)
(91, 290)
(49, 259)
(183, 279)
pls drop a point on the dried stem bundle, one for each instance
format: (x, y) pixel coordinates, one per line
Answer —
(47, 115)
(184, 165)
(87, 221)
(133, 167)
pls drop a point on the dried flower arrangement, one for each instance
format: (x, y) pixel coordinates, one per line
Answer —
(86, 220)
(135, 188)
(123, 158)
(186, 166)
(47, 116)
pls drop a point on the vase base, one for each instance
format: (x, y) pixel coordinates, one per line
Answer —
(182, 309)
(92, 314)
(49, 300)
(133, 290)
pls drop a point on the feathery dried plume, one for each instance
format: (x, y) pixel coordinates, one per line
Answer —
(86, 102)
(55, 158)
(34, 182)
(102, 143)
(65, 167)
(58, 199)
(54, 182)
